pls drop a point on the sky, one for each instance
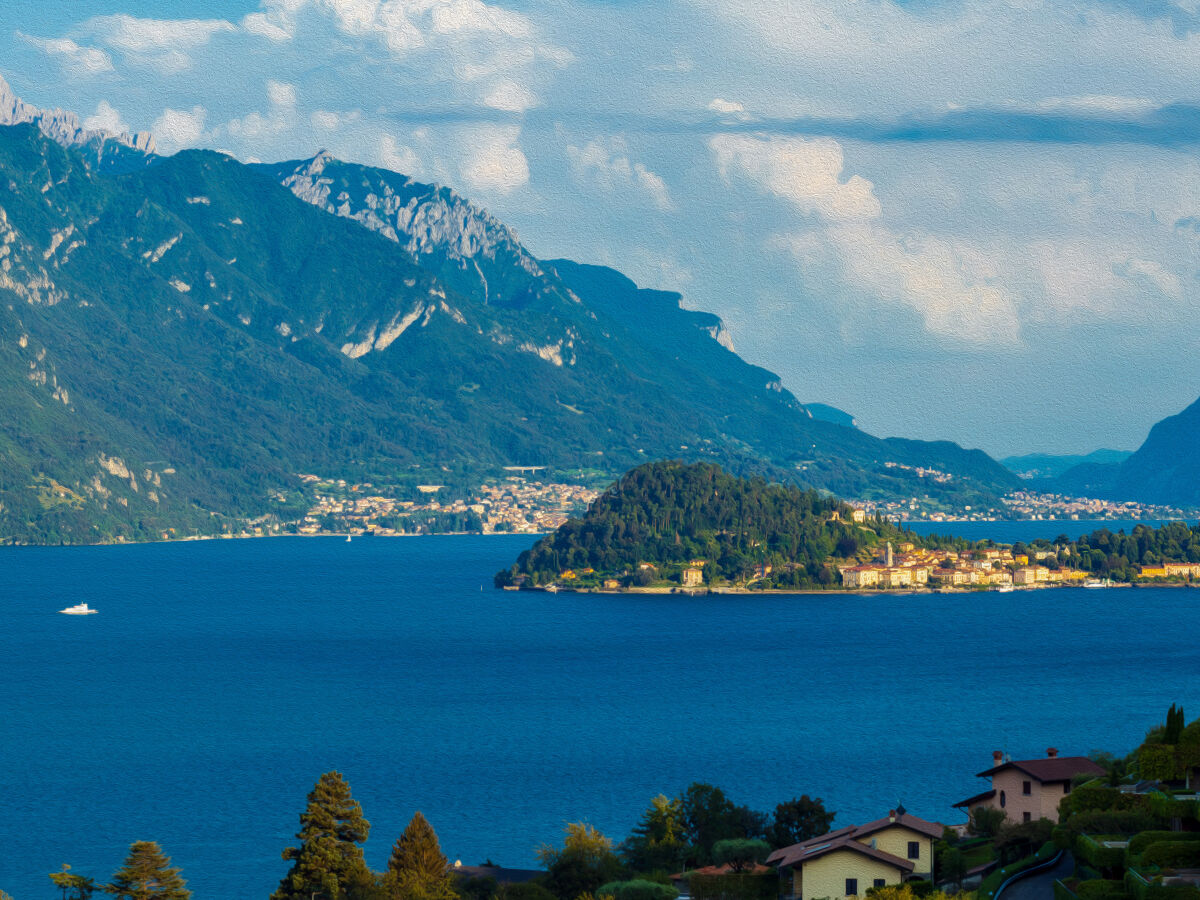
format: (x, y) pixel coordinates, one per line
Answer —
(973, 220)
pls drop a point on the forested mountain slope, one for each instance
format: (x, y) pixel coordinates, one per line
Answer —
(180, 338)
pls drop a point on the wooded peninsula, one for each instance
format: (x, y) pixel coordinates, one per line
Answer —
(671, 525)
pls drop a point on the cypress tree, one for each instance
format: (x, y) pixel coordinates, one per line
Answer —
(417, 869)
(329, 860)
(1174, 729)
(147, 875)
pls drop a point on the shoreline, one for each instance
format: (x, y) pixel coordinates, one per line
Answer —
(741, 592)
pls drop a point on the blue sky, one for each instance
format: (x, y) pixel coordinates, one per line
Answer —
(976, 220)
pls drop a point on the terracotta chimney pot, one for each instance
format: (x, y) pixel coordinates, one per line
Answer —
(1052, 752)
(997, 757)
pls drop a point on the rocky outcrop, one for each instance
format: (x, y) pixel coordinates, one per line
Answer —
(64, 127)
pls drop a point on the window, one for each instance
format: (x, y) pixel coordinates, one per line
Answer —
(880, 882)
(1026, 788)
(1003, 800)
(851, 887)
(1066, 787)
(914, 850)
(1028, 817)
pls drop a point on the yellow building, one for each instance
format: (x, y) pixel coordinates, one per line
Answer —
(692, 576)
(858, 515)
(845, 863)
(1184, 570)
(1154, 572)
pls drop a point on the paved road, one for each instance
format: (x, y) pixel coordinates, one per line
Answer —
(1041, 885)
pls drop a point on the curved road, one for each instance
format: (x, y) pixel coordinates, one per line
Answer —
(1041, 885)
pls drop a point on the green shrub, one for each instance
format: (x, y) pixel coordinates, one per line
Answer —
(1139, 842)
(1100, 889)
(733, 887)
(1172, 854)
(638, 889)
(1097, 855)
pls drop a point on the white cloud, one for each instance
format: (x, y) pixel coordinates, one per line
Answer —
(610, 167)
(327, 120)
(951, 284)
(281, 93)
(495, 162)
(76, 59)
(509, 96)
(165, 44)
(805, 171)
(106, 119)
(397, 157)
(1154, 274)
(726, 107)
(177, 129)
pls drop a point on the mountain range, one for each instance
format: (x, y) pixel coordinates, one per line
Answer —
(182, 337)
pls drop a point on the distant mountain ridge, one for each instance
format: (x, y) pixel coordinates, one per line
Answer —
(1164, 470)
(1048, 465)
(184, 335)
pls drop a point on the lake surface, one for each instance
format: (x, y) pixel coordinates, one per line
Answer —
(220, 679)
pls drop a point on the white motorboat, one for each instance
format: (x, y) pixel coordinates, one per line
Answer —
(79, 609)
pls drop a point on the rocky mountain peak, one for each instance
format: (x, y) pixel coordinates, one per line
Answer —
(64, 127)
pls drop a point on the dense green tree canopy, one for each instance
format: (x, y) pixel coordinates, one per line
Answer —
(329, 859)
(147, 875)
(798, 820)
(417, 869)
(657, 842)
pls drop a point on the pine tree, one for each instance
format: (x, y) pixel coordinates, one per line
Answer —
(147, 875)
(417, 869)
(329, 860)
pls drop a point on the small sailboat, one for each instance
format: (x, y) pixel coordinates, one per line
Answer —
(347, 539)
(79, 609)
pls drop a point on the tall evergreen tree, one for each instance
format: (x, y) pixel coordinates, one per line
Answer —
(329, 861)
(147, 875)
(418, 870)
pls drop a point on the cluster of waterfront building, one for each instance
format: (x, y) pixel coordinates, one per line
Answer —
(513, 505)
(916, 566)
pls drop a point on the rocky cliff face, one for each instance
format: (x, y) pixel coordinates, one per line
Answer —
(64, 127)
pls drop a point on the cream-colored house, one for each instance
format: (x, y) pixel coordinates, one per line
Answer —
(1030, 789)
(692, 576)
(846, 862)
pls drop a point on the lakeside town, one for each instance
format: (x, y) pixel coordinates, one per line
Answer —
(516, 504)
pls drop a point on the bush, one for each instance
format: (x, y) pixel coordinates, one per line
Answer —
(734, 887)
(527, 890)
(1097, 855)
(1172, 854)
(1101, 889)
(637, 889)
(1140, 842)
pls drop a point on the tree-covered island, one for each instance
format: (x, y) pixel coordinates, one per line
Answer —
(671, 525)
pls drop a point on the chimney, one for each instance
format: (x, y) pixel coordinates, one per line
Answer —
(1052, 752)
(997, 757)
(891, 815)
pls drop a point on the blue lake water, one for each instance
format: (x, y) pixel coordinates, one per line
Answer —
(221, 678)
